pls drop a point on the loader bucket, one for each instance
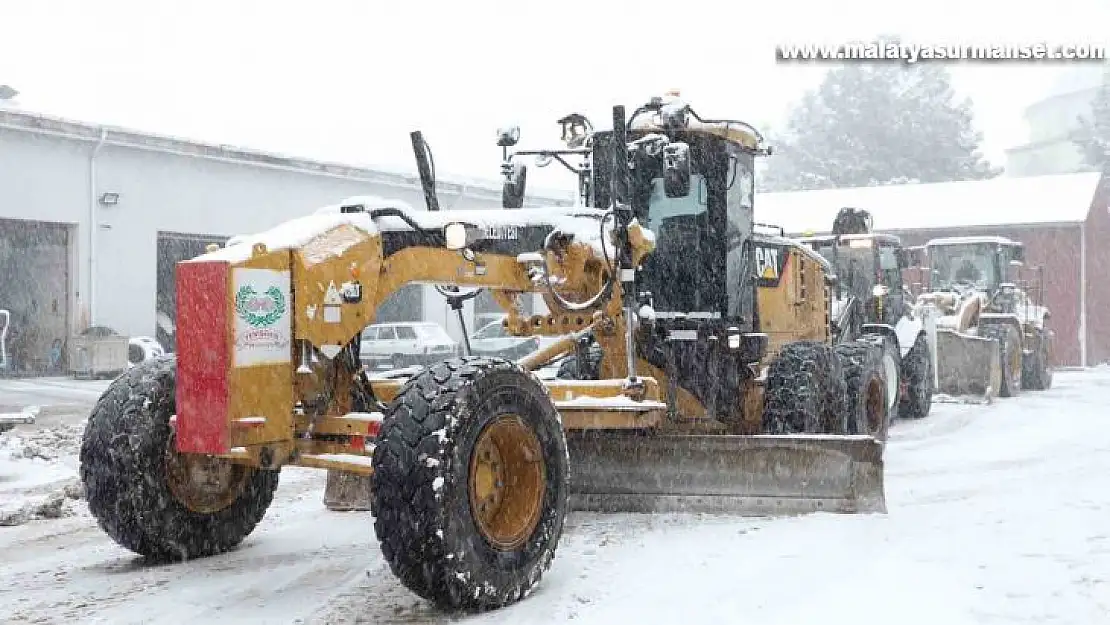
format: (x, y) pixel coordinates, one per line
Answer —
(742, 475)
(969, 368)
(759, 475)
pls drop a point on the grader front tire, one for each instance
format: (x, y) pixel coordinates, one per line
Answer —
(470, 483)
(151, 499)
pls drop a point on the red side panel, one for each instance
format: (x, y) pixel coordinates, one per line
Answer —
(203, 358)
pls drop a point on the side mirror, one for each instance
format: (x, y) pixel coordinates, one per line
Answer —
(508, 137)
(512, 192)
(454, 236)
(676, 170)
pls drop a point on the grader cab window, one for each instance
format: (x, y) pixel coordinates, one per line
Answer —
(698, 263)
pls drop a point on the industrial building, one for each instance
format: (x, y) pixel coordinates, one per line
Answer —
(1063, 220)
(93, 218)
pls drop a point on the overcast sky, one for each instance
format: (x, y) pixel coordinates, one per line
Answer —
(347, 80)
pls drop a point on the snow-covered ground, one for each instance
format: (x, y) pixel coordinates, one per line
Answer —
(997, 514)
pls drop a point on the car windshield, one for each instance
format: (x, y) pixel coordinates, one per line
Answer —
(968, 264)
(491, 331)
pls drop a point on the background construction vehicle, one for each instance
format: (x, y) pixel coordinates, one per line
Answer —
(992, 335)
(871, 303)
(469, 459)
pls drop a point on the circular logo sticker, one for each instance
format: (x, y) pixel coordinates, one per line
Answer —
(259, 310)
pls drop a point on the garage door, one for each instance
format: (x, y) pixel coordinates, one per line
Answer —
(174, 247)
(34, 288)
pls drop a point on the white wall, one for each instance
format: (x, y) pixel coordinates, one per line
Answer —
(1050, 149)
(48, 178)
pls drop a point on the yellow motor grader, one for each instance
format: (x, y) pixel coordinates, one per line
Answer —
(673, 400)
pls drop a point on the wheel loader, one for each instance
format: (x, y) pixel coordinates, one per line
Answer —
(474, 462)
(992, 337)
(871, 303)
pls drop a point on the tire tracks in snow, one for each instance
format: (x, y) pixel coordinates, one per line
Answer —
(300, 554)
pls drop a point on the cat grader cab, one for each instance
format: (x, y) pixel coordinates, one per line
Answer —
(474, 462)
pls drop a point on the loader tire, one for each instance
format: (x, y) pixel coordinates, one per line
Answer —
(139, 488)
(805, 391)
(1009, 345)
(917, 371)
(453, 438)
(865, 380)
(1036, 370)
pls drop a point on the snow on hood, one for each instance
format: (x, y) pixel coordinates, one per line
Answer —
(583, 223)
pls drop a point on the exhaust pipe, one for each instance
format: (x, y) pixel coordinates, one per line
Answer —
(426, 167)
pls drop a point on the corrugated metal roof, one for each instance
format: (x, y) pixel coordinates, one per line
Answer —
(1063, 198)
(33, 122)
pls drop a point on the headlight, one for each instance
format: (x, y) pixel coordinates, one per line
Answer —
(454, 235)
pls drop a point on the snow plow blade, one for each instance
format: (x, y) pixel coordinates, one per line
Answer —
(969, 368)
(740, 475)
(759, 475)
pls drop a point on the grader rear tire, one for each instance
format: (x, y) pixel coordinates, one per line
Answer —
(470, 483)
(151, 499)
(805, 391)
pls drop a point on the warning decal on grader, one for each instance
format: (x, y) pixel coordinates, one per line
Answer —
(262, 320)
(770, 262)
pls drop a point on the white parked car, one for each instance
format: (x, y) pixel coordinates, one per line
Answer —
(493, 339)
(399, 345)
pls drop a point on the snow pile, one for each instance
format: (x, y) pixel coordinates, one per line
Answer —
(44, 444)
(56, 504)
(38, 474)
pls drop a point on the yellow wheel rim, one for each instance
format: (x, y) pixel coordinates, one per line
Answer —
(507, 482)
(204, 484)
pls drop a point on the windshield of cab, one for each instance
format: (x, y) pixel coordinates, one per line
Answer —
(853, 266)
(963, 265)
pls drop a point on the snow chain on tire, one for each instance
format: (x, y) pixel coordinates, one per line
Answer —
(805, 391)
(426, 519)
(866, 387)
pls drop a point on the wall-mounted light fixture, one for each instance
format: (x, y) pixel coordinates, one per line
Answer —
(109, 199)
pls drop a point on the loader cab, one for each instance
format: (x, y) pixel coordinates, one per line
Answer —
(868, 269)
(976, 263)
